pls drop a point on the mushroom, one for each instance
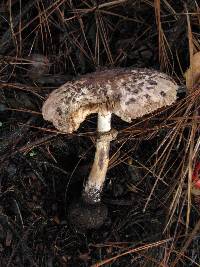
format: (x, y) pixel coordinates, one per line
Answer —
(126, 92)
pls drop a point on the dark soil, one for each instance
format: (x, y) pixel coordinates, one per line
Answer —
(43, 170)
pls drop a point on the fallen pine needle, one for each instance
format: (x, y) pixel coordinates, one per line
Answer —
(155, 244)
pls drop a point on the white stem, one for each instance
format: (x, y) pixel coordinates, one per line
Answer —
(94, 184)
(104, 122)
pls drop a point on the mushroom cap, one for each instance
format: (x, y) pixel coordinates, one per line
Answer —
(128, 93)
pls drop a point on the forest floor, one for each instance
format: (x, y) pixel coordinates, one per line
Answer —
(153, 217)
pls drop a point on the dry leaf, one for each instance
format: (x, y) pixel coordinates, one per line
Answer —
(192, 75)
(39, 66)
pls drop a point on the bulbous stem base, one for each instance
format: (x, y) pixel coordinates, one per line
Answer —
(84, 216)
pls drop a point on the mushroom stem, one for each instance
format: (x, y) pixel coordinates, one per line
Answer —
(104, 122)
(94, 184)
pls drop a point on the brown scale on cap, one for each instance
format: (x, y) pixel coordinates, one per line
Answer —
(128, 93)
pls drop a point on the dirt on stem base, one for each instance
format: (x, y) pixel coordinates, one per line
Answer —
(84, 216)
